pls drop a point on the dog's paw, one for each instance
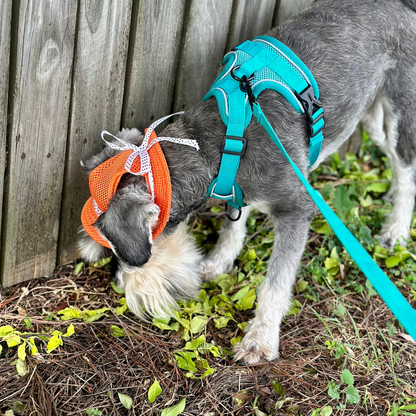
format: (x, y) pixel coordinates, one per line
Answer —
(254, 348)
(390, 234)
(210, 269)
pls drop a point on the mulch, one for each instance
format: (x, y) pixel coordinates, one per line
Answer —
(93, 366)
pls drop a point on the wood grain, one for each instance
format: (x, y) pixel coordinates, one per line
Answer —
(203, 46)
(97, 100)
(153, 61)
(249, 19)
(39, 124)
(5, 29)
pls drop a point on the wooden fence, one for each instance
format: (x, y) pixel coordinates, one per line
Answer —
(71, 68)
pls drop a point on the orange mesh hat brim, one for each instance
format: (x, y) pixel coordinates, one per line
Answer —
(104, 180)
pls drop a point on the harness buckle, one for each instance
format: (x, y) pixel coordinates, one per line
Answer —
(308, 100)
(232, 152)
(311, 105)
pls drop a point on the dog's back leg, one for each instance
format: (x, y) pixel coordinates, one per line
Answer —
(230, 242)
(262, 334)
(390, 131)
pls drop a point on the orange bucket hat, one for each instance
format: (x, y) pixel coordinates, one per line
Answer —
(146, 160)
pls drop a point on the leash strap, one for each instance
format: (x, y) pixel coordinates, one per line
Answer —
(381, 283)
(252, 67)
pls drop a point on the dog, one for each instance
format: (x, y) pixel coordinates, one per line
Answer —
(362, 54)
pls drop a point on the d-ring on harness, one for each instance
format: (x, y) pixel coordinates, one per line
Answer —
(267, 63)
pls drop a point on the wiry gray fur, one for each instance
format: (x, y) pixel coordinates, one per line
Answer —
(362, 54)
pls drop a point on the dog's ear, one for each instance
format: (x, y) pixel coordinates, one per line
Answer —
(127, 225)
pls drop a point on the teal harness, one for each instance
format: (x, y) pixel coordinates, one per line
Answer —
(250, 69)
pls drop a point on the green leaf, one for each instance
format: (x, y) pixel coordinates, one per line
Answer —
(240, 294)
(5, 330)
(331, 263)
(21, 368)
(235, 341)
(251, 255)
(341, 201)
(27, 322)
(69, 313)
(326, 411)
(175, 410)
(55, 341)
(353, 396)
(221, 322)
(32, 346)
(78, 268)
(392, 262)
(379, 187)
(216, 209)
(380, 252)
(347, 377)
(18, 406)
(302, 285)
(125, 400)
(116, 288)
(13, 340)
(333, 390)
(184, 361)
(278, 387)
(242, 325)
(247, 301)
(21, 352)
(324, 229)
(70, 331)
(117, 331)
(197, 323)
(184, 322)
(194, 344)
(154, 391)
(123, 308)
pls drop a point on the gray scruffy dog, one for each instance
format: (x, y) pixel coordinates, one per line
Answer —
(363, 56)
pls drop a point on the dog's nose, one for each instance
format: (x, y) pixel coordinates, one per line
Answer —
(138, 260)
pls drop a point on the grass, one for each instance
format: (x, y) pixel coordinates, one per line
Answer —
(70, 346)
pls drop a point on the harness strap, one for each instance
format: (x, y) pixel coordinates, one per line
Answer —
(382, 284)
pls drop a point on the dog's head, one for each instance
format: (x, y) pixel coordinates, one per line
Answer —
(131, 214)
(155, 273)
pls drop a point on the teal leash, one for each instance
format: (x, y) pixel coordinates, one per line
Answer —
(381, 283)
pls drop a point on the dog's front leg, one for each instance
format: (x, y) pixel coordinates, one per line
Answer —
(274, 294)
(230, 242)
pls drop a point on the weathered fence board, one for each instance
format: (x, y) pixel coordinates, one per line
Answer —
(45, 45)
(249, 19)
(97, 99)
(5, 28)
(203, 46)
(155, 43)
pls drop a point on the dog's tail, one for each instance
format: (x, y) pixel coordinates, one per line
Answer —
(411, 4)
